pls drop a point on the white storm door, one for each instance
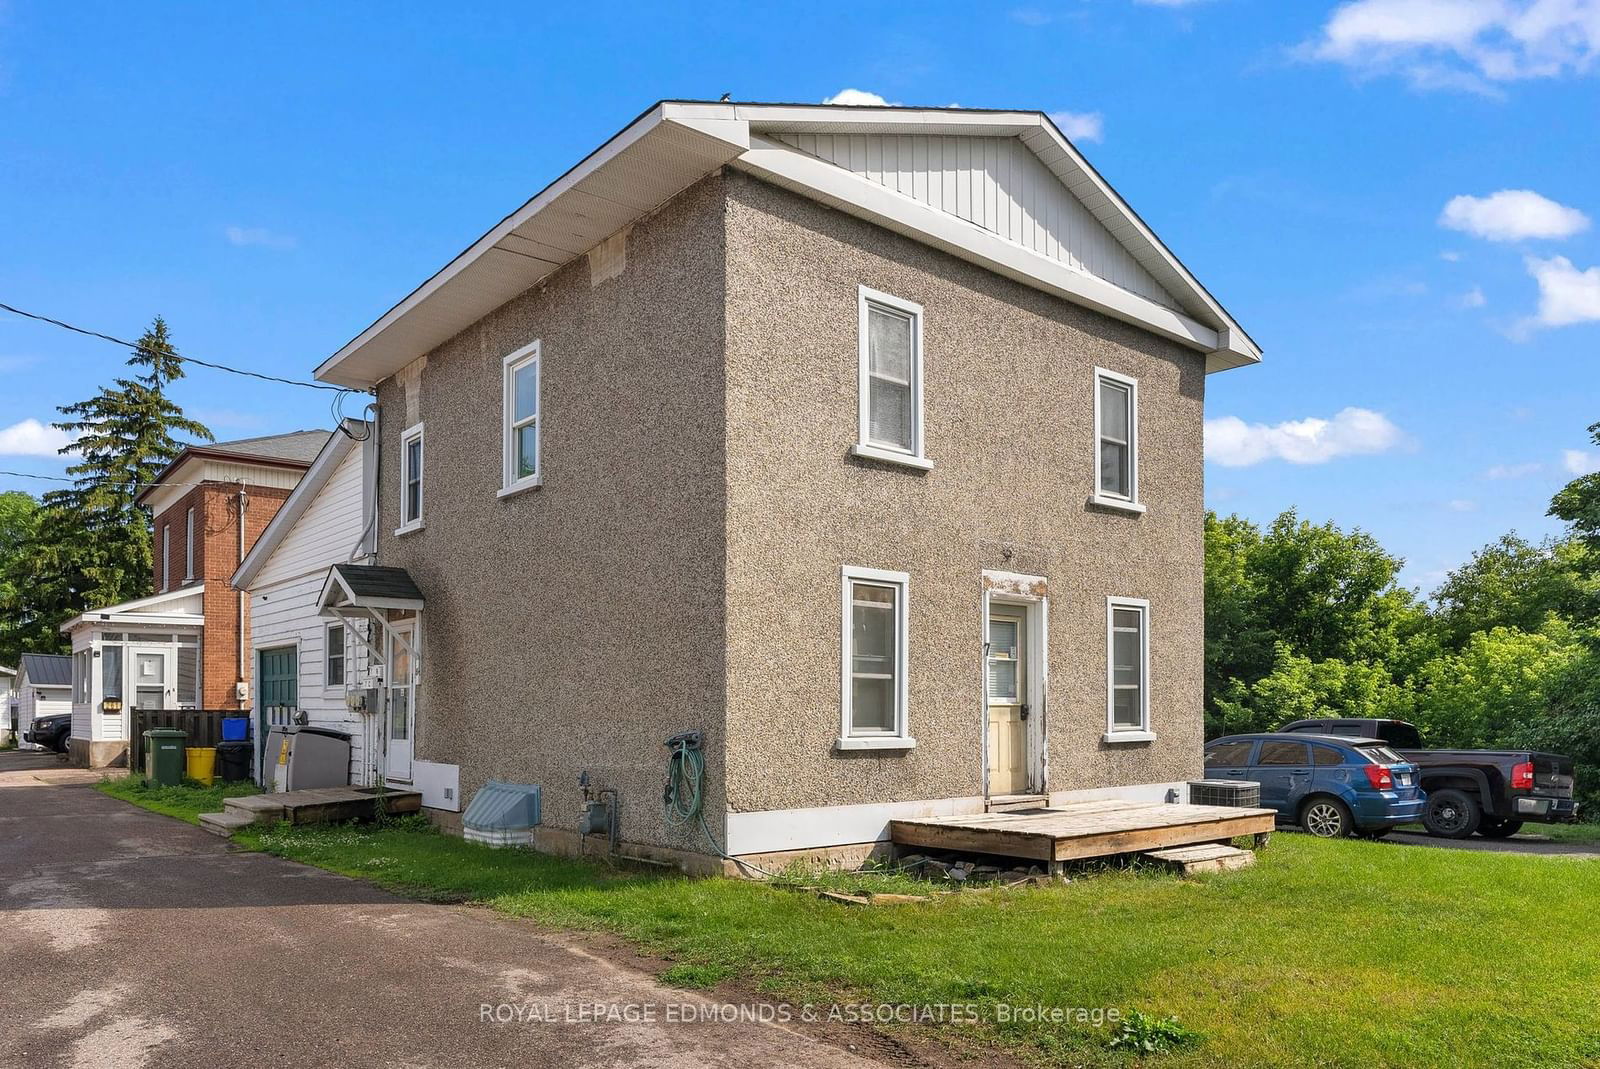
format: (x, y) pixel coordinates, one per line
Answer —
(151, 680)
(402, 724)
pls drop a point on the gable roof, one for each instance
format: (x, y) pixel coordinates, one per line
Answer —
(676, 143)
(183, 607)
(370, 586)
(47, 669)
(295, 449)
(334, 449)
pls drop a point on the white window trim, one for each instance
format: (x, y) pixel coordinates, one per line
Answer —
(188, 551)
(916, 457)
(327, 651)
(1114, 734)
(166, 557)
(509, 483)
(900, 738)
(406, 436)
(1100, 497)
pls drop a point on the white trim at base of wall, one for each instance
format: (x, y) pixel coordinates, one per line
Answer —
(777, 830)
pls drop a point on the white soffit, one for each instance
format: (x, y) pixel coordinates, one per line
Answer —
(675, 144)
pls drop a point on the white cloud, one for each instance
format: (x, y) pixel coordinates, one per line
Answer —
(1462, 44)
(1450, 256)
(1030, 16)
(1461, 504)
(30, 438)
(1168, 3)
(856, 98)
(1080, 125)
(1512, 215)
(1233, 443)
(1566, 294)
(1577, 462)
(1513, 471)
(259, 236)
(1473, 298)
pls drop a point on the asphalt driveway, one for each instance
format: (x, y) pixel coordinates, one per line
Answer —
(128, 939)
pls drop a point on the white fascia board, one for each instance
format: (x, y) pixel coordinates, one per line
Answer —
(1235, 340)
(719, 124)
(299, 500)
(840, 188)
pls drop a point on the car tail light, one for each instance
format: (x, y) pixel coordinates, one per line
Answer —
(1522, 776)
(1379, 777)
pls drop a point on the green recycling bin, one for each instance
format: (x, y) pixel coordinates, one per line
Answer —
(163, 756)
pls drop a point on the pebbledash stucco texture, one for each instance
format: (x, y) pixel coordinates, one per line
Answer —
(679, 568)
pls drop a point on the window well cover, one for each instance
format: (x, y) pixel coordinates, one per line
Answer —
(502, 813)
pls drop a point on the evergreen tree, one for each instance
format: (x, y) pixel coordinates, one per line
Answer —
(92, 543)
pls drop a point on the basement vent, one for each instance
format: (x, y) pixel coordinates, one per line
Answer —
(502, 814)
(1240, 794)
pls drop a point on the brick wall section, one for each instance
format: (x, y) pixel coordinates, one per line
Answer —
(216, 553)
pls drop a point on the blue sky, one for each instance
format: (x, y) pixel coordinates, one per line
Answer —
(271, 178)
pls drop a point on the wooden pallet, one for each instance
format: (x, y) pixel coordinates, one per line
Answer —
(1202, 857)
(1079, 830)
(322, 805)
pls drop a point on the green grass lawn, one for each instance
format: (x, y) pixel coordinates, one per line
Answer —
(1326, 953)
(186, 802)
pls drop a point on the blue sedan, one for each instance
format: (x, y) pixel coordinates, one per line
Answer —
(1332, 786)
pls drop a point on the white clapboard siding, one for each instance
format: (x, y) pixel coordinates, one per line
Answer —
(283, 606)
(31, 704)
(327, 531)
(996, 183)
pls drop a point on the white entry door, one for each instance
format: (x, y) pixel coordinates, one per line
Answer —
(151, 680)
(1007, 672)
(402, 705)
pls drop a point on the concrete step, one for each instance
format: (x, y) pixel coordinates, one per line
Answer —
(260, 808)
(1202, 857)
(226, 822)
(1010, 803)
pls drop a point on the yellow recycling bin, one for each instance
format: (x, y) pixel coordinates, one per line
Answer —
(201, 763)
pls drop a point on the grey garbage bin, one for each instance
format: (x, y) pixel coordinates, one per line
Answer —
(309, 757)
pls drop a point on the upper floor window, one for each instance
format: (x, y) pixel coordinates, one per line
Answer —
(890, 403)
(188, 545)
(1116, 433)
(166, 556)
(520, 430)
(873, 693)
(410, 479)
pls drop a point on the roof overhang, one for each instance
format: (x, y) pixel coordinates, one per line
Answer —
(676, 143)
(190, 453)
(337, 593)
(143, 611)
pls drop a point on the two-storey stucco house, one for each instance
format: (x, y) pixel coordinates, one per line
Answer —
(864, 441)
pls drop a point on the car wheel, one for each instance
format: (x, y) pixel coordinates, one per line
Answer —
(62, 744)
(1499, 829)
(1451, 814)
(1326, 818)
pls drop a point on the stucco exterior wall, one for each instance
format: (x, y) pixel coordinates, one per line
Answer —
(1009, 396)
(576, 626)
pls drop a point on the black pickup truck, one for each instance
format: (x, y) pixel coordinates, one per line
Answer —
(1491, 792)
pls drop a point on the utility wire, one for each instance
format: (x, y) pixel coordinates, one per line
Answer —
(128, 485)
(186, 359)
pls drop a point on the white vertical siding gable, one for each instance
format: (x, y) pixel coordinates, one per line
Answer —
(996, 183)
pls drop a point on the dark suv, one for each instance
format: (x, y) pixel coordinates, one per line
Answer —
(51, 732)
(1491, 792)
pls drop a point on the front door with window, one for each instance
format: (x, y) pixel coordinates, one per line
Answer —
(1007, 679)
(150, 680)
(402, 704)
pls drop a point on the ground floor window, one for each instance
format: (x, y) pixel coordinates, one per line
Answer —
(1127, 666)
(873, 693)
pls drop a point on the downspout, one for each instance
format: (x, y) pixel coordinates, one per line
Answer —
(238, 694)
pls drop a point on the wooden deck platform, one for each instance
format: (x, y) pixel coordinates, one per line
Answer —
(324, 805)
(1079, 830)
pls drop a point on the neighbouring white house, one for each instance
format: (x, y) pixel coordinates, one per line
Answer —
(142, 654)
(306, 665)
(43, 687)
